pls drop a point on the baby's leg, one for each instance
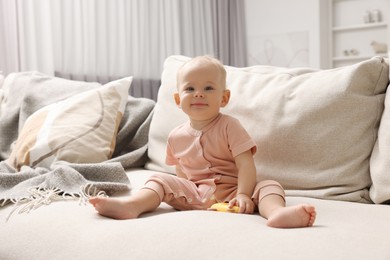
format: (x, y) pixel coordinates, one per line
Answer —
(144, 200)
(272, 206)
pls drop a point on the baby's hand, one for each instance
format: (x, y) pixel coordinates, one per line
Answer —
(244, 202)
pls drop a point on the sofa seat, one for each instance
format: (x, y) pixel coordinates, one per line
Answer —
(68, 230)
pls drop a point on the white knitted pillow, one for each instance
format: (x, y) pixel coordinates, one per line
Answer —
(79, 129)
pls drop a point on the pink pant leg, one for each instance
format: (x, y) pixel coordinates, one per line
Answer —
(266, 188)
(180, 193)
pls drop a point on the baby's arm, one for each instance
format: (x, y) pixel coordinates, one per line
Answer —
(246, 182)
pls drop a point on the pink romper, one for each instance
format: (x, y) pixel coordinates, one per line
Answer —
(206, 157)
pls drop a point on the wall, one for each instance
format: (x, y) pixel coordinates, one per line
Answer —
(286, 33)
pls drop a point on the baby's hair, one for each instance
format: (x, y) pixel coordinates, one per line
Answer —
(208, 59)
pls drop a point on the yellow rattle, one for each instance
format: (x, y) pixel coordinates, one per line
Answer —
(224, 207)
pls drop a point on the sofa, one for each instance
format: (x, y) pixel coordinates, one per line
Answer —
(323, 134)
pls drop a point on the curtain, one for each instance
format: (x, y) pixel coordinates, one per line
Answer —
(230, 32)
(9, 59)
(101, 40)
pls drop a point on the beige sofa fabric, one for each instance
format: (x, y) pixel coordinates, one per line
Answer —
(67, 230)
(380, 159)
(315, 129)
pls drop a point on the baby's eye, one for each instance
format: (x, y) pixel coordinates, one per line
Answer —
(189, 89)
(208, 88)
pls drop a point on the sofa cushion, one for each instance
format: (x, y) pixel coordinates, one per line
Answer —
(343, 230)
(79, 129)
(1, 90)
(315, 129)
(1, 79)
(34, 90)
(380, 159)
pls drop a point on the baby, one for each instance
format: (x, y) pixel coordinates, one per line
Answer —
(213, 156)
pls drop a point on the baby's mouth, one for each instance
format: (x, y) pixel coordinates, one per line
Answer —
(198, 104)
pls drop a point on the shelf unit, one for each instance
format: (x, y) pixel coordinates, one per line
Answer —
(360, 27)
(351, 35)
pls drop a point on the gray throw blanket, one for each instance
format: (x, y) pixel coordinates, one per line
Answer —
(66, 180)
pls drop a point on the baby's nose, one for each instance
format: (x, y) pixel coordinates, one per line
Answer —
(199, 94)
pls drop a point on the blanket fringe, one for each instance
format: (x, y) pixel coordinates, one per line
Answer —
(40, 197)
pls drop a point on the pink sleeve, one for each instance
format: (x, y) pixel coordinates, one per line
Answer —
(170, 159)
(239, 139)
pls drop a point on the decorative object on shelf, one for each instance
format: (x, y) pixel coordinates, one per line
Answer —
(376, 16)
(367, 17)
(379, 47)
(372, 16)
(352, 52)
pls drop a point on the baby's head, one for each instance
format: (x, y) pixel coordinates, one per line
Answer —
(201, 88)
(195, 65)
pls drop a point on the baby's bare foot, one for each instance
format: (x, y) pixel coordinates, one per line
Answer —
(116, 208)
(302, 215)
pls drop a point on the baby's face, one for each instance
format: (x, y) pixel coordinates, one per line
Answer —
(201, 91)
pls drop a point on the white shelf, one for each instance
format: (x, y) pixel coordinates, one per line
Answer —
(357, 57)
(347, 30)
(359, 27)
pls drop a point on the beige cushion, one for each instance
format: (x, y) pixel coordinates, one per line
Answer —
(380, 159)
(1, 90)
(315, 129)
(1, 79)
(79, 129)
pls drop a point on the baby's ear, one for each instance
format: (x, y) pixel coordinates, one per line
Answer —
(176, 96)
(225, 98)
